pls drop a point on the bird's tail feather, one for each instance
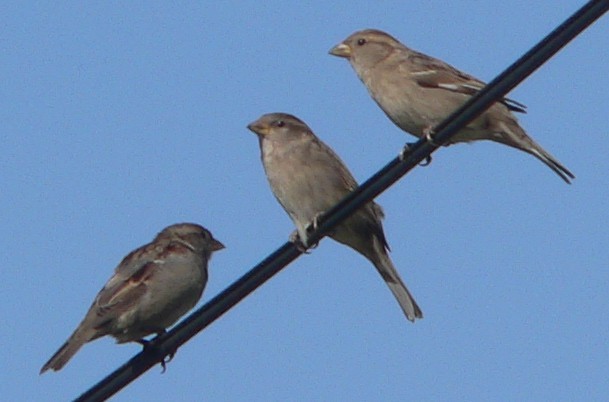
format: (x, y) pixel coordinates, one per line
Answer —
(553, 164)
(390, 275)
(516, 137)
(65, 352)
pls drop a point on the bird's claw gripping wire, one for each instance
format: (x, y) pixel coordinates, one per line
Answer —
(150, 344)
(312, 227)
(303, 244)
(298, 243)
(166, 360)
(428, 133)
(405, 152)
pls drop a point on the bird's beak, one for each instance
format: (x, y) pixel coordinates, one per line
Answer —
(258, 128)
(216, 245)
(341, 50)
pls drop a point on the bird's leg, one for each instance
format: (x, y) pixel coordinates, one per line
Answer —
(428, 133)
(149, 344)
(312, 226)
(426, 162)
(303, 244)
(298, 243)
(169, 356)
(405, 152)
(167, 359)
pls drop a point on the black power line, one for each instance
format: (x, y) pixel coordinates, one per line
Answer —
(378, 183)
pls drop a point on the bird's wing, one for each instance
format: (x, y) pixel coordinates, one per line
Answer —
(372, 214)
(344, 181)
(429, 72)
(124, 291)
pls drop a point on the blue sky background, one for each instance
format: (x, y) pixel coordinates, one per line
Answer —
(122, 118)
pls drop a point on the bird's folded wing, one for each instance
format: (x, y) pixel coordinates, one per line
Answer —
(121, 293)
(432, 73)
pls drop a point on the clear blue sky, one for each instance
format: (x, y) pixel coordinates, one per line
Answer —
(119, 119)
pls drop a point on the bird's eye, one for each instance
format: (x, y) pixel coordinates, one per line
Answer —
(361, 42)
(280, 123)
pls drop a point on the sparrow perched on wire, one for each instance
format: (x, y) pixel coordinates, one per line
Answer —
(150, 290)
(417, 92)
(308, 178)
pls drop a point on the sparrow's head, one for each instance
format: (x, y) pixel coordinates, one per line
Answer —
(366, 48)
(279, 127)
(191, 235)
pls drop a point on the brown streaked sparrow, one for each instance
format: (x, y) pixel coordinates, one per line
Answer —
(150, 290)
(417, 92)
(308, 178)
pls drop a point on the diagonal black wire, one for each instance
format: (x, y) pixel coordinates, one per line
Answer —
(378, 183)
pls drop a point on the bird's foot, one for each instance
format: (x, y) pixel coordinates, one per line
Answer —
(150, 344)
(426, 161)
(298, 243)
(405, 153)
(166, 359)
(428, 134)
(314, 224)
(312, 227)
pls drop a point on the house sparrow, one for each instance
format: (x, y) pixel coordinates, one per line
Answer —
(308, 178)
(417, 92)
(150, 290)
